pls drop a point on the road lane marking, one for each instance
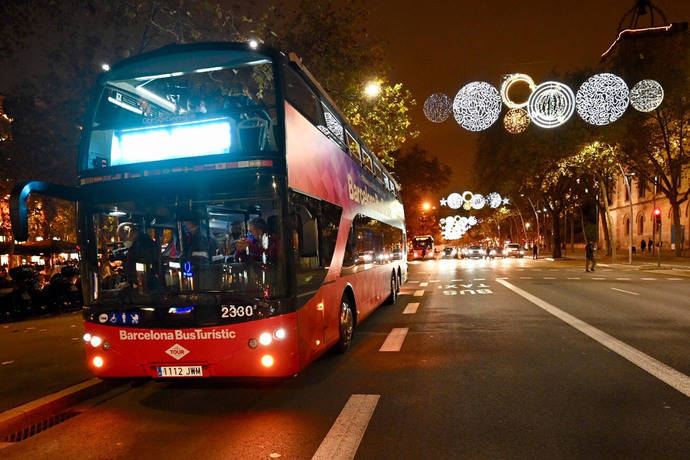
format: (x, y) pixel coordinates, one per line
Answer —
(418, 293)
(549, 278)
(480, 279)
(434, 281)
(666, 374)
(648, 279)
(598, 278)
(525, 277)
(395, 339)
(623, 279)
(342, 440)
(627, 292)
(574, 278)
(411, 308)
(412, 281)
(425, 284)
(550, 259)
(674, 279)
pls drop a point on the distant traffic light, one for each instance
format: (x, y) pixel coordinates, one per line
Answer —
(657, 215)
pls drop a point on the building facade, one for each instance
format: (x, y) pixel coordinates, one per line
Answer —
(660, 53)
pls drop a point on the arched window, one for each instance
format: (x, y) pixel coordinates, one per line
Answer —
(627, 226)
(640, 224)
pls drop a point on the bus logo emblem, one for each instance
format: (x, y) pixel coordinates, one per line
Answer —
(177, 351)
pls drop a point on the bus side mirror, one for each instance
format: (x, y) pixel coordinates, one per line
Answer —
(19, 214)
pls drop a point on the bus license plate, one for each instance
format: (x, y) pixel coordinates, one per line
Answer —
(180, 371)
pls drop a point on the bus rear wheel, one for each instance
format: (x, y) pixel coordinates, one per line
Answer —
(346, 326)
(394, 290)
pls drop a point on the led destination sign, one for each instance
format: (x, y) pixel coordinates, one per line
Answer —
(211, 137)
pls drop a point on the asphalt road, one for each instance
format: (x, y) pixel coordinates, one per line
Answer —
(500, 359)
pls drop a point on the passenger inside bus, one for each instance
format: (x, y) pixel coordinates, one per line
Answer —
(259, 246)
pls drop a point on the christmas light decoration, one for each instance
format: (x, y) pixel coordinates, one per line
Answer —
(478, 201)
(551, 104)
(646, 95)
(516, 121)
(455, 201)
(438, 107)
(508, 83)
(454, 227)
(468, 200)
(602, 99)
(494, 200)
(477, 106)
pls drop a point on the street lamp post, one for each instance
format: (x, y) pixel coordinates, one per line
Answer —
(630, 220)
(536, 216)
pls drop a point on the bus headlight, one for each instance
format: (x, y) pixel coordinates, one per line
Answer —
(97, 361)
(87, 337)
(95, 341)
(279, 334)
(265, 338)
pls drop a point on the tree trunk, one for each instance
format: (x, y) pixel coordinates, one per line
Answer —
(609, 227)
(556, 226)
(582, 222)
(675, 208)
(572, 231)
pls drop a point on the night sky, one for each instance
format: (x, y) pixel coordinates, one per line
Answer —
(439, 46)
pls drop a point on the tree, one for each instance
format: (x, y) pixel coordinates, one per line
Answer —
(384, 124)
(421, 176)
(595, 166)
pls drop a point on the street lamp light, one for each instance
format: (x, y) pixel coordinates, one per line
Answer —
(372, 89)
(426, 206)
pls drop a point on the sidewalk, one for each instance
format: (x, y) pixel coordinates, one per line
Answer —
(39, 357)
(678, 265)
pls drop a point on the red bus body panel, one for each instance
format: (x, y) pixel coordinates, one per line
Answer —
(318, 167)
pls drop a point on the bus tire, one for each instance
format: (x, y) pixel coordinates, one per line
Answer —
(346, 325)
(394, 290)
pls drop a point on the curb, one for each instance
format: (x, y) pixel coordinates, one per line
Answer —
(20, 418)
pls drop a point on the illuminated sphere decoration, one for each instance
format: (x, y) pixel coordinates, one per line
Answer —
(454, 201)
(602, 99)
(467, 196)
(646, 95)
(438, 107)
(516, 121)
(551, 104)
(508, 83)
(478, 201)
(477, 106)
(467, 206)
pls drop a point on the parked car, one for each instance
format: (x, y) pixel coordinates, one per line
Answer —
(63, 293)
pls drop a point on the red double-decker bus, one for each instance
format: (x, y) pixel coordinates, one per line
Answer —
(231, 223)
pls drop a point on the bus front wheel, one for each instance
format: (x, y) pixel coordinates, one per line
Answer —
(346, 326)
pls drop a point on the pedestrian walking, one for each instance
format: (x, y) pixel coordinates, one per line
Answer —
(535, 252)
(643, 244)
(589, 255)
(650, 245)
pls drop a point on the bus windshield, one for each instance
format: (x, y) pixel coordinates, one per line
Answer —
(183, 111)
(151, 251)
(422, 243)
